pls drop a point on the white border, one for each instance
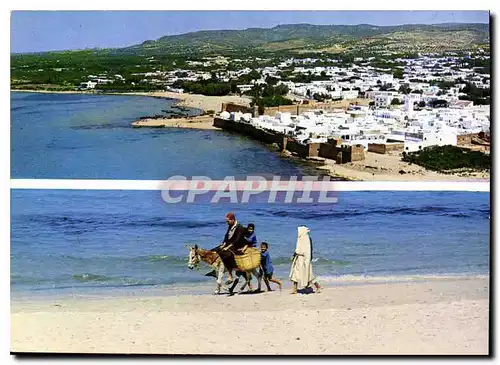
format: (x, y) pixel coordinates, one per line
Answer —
(182, 185)
(198, 5)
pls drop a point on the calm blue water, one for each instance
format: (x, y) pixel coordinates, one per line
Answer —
(81, 136)
(82, 240)
(88, 239)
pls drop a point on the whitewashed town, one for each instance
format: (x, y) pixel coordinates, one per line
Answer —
(425, 116)
(414, 103)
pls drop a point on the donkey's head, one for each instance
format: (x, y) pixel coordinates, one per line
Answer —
(194, 257)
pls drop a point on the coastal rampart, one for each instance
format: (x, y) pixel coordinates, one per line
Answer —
(465, 139)
(331, 149)
(383, 148)
(295, 109)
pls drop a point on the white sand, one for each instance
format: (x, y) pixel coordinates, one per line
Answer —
(200, 101)
(201, 122)
(442, 316)
(387, 167)
(189, 100)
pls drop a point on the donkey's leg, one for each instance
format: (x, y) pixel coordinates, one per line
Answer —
(258, 275)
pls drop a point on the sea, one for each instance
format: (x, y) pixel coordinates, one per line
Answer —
(103, 242)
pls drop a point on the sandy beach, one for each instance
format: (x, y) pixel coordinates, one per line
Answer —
(188, 100)
(387, 167)
(436, 316)
(202, 102)
(200, 122)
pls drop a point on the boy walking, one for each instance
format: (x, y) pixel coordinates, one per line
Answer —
(267, 266)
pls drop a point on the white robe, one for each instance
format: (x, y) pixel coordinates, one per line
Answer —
(301, 270)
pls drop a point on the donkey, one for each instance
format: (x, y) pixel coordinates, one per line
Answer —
(213, 259)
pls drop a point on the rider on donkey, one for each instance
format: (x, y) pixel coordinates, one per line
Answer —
(234, 243)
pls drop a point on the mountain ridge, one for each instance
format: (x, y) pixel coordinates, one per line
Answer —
(451, 35)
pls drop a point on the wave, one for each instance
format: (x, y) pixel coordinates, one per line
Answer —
(164, 261)
(101, 126)
(91, 277)
(113, 220)
(14, 108)
(349, 213)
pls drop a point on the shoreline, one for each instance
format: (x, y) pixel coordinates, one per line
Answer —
(429, 317)
(195, 101)
(192, 122)
(390, 167)
(375, 167)
(207, 287)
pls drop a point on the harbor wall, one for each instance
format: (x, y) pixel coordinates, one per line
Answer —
(330, 150)
(231, 107)
(465, 139)
(295, 109)
(384, 148)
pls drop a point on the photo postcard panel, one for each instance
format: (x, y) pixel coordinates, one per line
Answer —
(296, 182)
(414, 263)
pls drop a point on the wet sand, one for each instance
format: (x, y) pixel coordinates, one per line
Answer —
(201, 122)
(436, 316)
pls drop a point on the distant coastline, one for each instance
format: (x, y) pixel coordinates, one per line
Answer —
(202, 102)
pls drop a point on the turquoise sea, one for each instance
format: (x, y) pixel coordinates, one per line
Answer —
(65, 241)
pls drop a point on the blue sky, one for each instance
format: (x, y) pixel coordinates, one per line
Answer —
(33, 31)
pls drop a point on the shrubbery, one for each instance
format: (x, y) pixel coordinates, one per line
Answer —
(444, 158)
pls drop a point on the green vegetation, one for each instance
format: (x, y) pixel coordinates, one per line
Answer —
(138, 68)
(204, 87)
(445, 158)
(268, 96)
(478, 95)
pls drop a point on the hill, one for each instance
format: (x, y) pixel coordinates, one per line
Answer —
(307, 37)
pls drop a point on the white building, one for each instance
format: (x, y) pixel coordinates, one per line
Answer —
(410, 100)
(88, 85)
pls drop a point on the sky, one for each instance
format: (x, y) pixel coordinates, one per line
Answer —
(35, 31)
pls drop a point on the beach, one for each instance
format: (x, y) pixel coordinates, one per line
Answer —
(442, 316)
(375, 167)
(199, 122)
(390, 167)
(202, 102)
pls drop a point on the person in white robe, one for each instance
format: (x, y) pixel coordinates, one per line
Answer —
(301, 273)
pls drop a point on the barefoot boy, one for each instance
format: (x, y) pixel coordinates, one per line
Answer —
(267, 266)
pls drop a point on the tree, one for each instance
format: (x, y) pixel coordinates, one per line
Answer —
(398, 74)
(395, 101)
(234, 87)
(438, 103)
(421, 104)
(404, 89)
(271, 81)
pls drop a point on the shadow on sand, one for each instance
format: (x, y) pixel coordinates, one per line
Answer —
(249, 292)
(305, 291)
